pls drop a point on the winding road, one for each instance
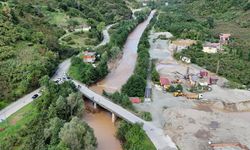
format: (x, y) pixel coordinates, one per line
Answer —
(157, 136)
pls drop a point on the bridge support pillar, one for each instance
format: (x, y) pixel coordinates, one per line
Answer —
(95, 105)
(113, 118)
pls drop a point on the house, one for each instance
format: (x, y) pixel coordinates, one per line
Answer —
(89, 57)
(224, 39)
(211, 47)
(164, 81)
(135, 100)
(203, 74)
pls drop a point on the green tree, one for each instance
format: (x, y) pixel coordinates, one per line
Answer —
(100, 26)
(210, 22)
(77, 135)
(179, 88)
(75, 103)
(135, 86)
(155, 75)
(51, 133)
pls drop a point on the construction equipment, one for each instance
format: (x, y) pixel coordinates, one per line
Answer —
(177, 81)
(178, 93)
(187, 74)
(194, 96)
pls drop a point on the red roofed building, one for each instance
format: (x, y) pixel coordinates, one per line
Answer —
(203, 74)
(89, 57)
(164, 81)
(135, 99)
(224, 39)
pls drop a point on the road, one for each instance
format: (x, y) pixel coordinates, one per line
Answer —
(148, 89)
(106, 37)
(60, 73)
(157, 136)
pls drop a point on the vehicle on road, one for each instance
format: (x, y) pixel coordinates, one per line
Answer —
(35, 96)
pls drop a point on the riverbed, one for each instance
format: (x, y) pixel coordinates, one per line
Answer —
(119, 75)
(101, 123)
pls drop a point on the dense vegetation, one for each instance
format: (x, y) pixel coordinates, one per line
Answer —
(54, 123)
(135, 86)
(231, 66)
(203, 21)
(86, 73)
(29, 47)
(133, 137)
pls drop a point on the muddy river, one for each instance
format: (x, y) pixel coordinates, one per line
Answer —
(125, 67)
(101, 122)
(104, 130)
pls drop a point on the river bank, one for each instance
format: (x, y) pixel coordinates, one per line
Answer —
(120, 74)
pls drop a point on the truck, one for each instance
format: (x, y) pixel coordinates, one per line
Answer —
(178, 93)
(194, 96)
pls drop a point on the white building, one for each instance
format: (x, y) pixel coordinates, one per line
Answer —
(211, 48)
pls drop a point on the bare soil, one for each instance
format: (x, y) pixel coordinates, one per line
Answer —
(223, 116)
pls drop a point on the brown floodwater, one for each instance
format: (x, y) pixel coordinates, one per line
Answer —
(125, 67)
(100, 121)
(104, 130)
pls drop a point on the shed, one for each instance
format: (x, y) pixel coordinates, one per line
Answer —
(135, 99)
(164, 81)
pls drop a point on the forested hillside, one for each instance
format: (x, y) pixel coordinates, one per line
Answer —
(29, 33)
(204, 20)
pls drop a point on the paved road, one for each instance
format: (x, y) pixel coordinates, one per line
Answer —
(157, 136)
(60, 73)
(106, 37)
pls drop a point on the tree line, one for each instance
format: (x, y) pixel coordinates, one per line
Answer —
(56, 122)
(88, 74)
(136, 84)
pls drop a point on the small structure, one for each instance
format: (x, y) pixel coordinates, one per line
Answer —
(135, 100)
(211, 48)
(213, 80)
(89, 57)
(203, 74)
(224, 38)
(164, 81)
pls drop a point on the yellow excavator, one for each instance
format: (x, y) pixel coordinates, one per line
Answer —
(178, 93)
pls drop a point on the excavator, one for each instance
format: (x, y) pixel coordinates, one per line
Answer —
(178, 93)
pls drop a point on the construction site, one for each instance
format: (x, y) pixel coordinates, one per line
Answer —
(193, 105)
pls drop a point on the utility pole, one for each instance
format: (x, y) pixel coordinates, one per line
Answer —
(218, 67)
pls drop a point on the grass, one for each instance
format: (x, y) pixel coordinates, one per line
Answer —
(81, 39)
(148, 143)
(16, 121)
(61, 19)
(73, 72)
(58, 18)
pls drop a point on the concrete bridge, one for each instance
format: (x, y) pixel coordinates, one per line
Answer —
(156, 135)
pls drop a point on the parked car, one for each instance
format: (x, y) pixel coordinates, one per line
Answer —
(35, 96)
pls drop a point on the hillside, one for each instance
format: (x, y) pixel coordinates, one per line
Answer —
(204, 20)
(29, 33)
